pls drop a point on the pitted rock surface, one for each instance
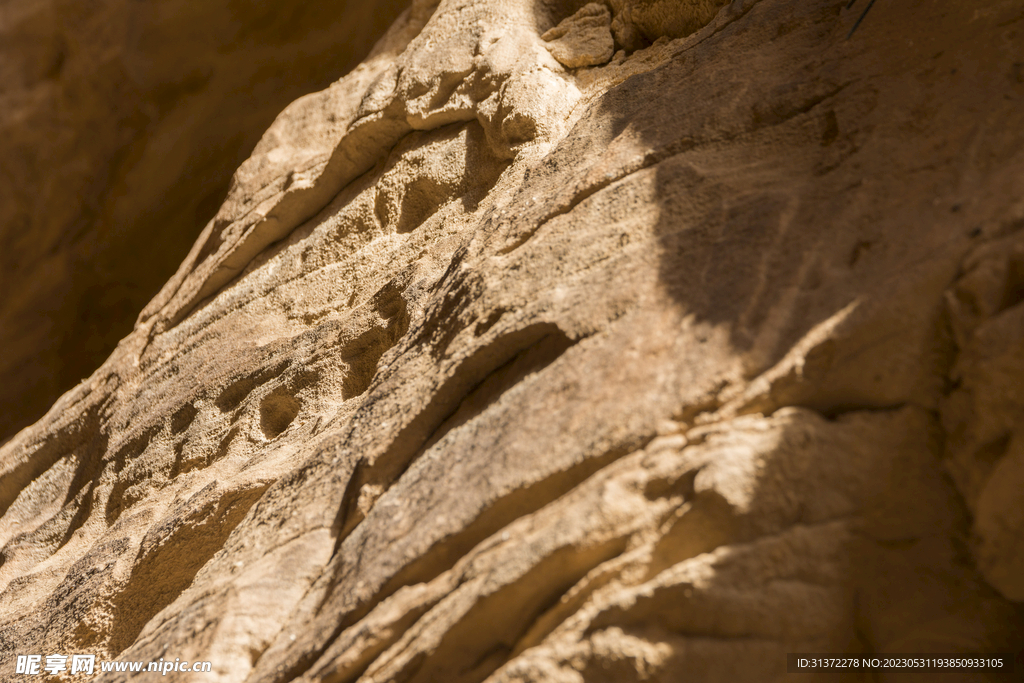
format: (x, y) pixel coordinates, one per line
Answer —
(498, 366)
(120, 125)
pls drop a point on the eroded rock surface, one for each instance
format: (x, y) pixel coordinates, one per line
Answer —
(499, 367)
(120, 125)
(584, 39)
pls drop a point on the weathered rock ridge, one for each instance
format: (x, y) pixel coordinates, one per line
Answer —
(121, 123)
(565, 341)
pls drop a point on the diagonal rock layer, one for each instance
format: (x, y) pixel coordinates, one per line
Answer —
(639, 341)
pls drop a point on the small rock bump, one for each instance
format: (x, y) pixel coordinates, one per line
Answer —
(584, 39)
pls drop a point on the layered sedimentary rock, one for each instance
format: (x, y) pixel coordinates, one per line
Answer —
(121, 123)
(570, 342)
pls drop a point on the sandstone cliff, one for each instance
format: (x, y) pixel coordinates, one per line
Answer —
(646, 341)
(120, 125)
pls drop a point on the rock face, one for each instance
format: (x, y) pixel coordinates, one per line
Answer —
(120, 125)
(513, 358)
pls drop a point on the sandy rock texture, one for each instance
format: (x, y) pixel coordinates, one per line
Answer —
(515, 357)
(121, 123)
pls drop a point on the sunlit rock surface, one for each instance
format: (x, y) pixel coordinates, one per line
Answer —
(512, 359)
(120, 125)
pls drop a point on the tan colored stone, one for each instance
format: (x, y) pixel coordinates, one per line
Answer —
(584, 39)
(121, 123)
(984, 414)
(491, 371)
